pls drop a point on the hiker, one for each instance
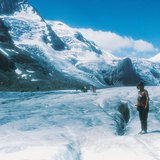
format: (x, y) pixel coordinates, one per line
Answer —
(143, 106)
(84, 89)
(94, 88)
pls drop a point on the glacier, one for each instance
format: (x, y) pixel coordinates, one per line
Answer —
(71, 125)
(66, 54)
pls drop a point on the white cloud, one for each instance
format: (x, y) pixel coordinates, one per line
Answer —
(143, 46)
(119, 45)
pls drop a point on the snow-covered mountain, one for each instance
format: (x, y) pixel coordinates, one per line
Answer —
(73, 38)
(156, 58)
(69, 58)
(30, 32)
(119, 71)
(19, 70)
(148, 71)
(83, 54)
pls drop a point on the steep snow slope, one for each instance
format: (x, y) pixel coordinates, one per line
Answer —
(77, 42)
(149, 71)
(69, 125)
(73, 38)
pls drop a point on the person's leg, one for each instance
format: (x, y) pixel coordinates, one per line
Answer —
(145, 117)
(145, 126)
(141, 118)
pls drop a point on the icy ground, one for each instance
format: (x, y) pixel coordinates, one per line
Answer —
(70, 125)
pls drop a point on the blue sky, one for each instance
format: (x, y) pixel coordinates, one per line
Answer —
(138, 19)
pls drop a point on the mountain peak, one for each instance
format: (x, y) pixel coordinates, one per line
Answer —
(11, 6)
(155, 58)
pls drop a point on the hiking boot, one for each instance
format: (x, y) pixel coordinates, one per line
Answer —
(142, 132)
(145, 131)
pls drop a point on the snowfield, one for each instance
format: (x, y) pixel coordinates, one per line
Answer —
(70, 125)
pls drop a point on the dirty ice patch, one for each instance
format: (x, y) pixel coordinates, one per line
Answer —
(18, 71)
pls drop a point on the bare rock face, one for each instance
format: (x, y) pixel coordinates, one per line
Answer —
(91, 44)
(126, 73)
(5, 63)
(123, 74)
(4, 35)
(10, 6)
